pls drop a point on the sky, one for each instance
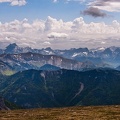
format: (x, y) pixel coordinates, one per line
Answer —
(60, 24)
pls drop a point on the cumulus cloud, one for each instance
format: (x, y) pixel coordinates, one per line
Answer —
(60, 34)
(47, 43)
(97, 8)
(55, 35)
(107, 5)
(94, 12)
(52, 24)
(14, 2)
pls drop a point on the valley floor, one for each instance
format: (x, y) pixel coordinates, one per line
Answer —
(70, 113)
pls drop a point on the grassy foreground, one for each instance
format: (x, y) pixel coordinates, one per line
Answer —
(70, 113)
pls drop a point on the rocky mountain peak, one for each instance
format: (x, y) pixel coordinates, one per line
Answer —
(11, 48)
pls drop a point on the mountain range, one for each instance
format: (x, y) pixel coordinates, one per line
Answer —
(14, 58)
(109, 55)
(24, 61)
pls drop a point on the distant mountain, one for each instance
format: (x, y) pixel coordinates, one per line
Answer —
(12, 48)
(6, 69)
(1, 51)
(33, 88)
(3, 66)
(118, 68)
(99, 56)
(15, 49)
(25, 61)
(87, 65)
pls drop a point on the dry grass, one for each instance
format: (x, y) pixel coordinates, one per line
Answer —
(70, 113)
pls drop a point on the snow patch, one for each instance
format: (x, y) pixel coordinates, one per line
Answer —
(75, 54)
(85, 53)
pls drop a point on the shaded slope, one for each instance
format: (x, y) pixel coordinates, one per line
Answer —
(2, 104)
(60, 88)
(49, 67)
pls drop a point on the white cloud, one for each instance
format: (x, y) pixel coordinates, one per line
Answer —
(76, 0)
(55, 35)
(81, 1)
(52, 24)
(107, 5)
(47, 43)
(55, 1)
(14, 2)
(60, 34)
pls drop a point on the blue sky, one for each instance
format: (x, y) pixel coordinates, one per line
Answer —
(78, 23)
(40, 9)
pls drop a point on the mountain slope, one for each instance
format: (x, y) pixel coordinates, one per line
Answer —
(6, 69)
(30, 60)
(118, 68)
(60, 88)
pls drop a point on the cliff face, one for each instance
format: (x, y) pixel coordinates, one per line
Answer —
(25, 61)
